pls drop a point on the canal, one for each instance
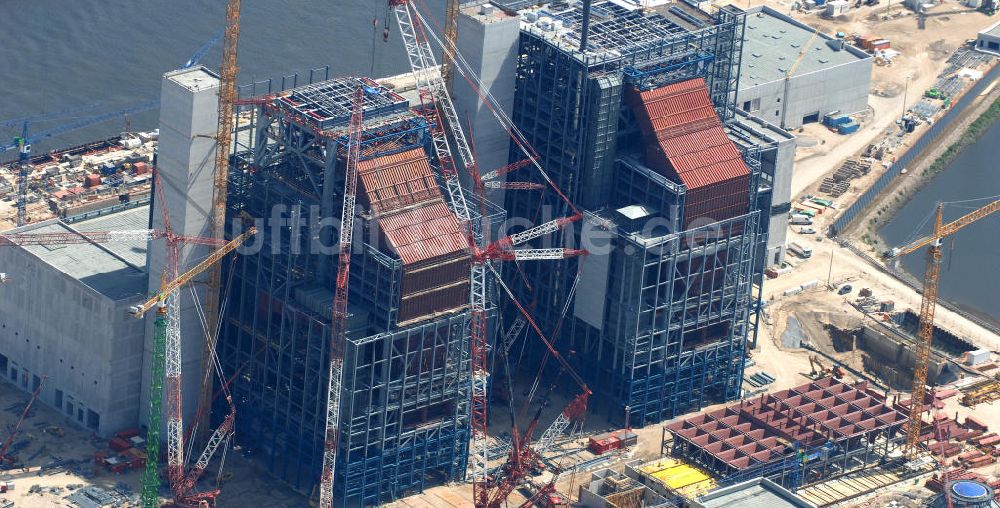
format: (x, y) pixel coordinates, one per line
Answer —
(970, 273)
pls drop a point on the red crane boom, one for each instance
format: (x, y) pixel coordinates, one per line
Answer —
(17, 426)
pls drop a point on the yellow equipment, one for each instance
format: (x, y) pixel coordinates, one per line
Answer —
(223, 140)
(140, 310)
(928, 302)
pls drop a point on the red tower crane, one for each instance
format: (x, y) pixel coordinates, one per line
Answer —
(438, 108)
(339, 318)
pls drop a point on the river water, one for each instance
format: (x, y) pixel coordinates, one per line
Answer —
(60, 55)
(970, 273)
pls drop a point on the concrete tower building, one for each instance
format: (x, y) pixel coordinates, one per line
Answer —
(185, 164)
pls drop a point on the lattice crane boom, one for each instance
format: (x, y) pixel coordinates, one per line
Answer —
(928, 305)
(140, 310)
(440, 113)
(435, 101)
(946, 230)
(17, 426)
(339, 317)
(227, 96)
(128, 235)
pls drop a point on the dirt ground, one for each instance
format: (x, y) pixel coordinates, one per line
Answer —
(242, 478)
(922, 58)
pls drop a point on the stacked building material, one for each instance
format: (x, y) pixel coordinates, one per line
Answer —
(833, 187)
(851, 169)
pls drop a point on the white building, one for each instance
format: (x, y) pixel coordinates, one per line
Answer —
(64, 317)
(988, 40)
(832, 76)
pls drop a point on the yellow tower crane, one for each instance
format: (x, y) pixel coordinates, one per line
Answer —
(791, 72)
(451, 36)
(928, 302)
(227, 96)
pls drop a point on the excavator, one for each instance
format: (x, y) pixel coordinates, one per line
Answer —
(818, 370)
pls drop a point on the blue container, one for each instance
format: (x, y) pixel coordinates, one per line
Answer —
(836, 120)
(108, 169)
(849, 128)
(820, 3)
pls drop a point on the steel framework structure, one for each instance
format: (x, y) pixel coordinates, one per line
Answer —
(570, 106)
(405, 411)
(794, 437)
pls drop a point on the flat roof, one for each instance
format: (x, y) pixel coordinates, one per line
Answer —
(757, 493)
(616, 27)
(773, 42)
(195, 79)
(116, 270)
(993, 30)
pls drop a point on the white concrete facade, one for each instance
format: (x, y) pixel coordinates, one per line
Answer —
(988, 40)
(487, 40)
(832, 76)
(64, 317)
(185, 162)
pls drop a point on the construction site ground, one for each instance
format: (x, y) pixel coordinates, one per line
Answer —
(923, 55)
(245, 482)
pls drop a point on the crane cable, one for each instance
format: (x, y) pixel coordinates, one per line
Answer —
(555, 335)
(487, 98)
(510, 294)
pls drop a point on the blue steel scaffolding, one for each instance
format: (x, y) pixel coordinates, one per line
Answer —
(674, 335)
(405, 412)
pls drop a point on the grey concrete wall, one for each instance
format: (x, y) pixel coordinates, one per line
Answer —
(842, 88)
(488, 42)
(988, 43)
(778, 232)
(89, 347)
(777, 163)
(186, 163)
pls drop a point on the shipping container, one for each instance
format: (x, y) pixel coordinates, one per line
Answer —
(603, 443)
(119, 445)
(627, 438)
(849, 128)
(978, 357)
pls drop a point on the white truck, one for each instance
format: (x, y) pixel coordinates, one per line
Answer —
(799, 219)
(802, 251)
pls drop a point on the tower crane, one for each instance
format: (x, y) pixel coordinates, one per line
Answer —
(203, 50)
(440, 112)
(223, 144)
(339, 316)
(791, 72)
(23, 145)
(928, 302)
(166, 365)
(4, 457)
(451, 35)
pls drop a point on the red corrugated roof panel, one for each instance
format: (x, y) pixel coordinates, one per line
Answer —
(689, 134)
(686, 141)
(394, 181)
(421, 233)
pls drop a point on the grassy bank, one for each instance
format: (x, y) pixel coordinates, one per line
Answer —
(975, 130)
(890, 203)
